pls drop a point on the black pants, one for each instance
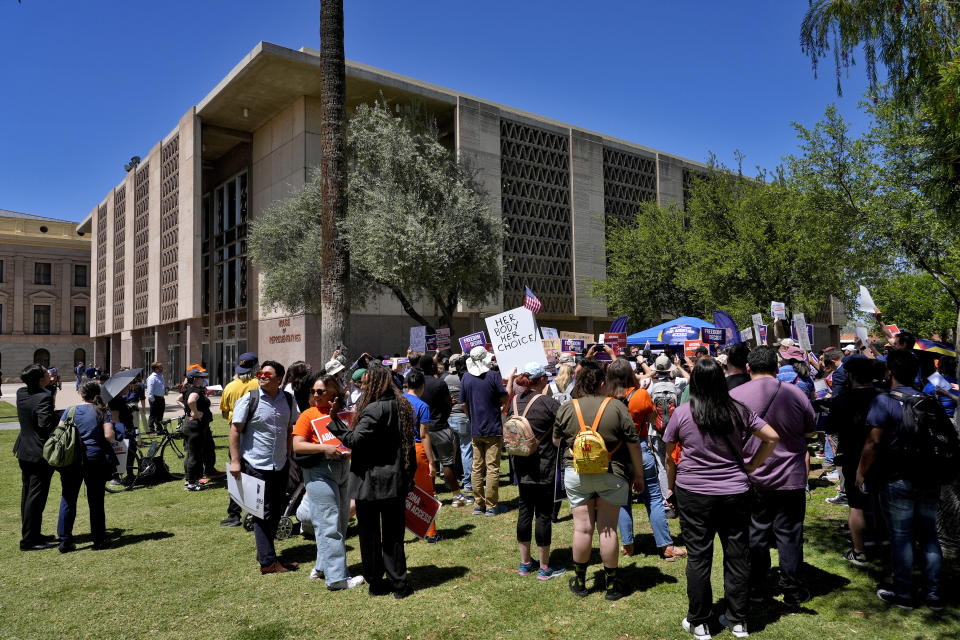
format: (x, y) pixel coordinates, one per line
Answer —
(94, 476)
(535, 499)
(380, 527)
(777, 518)
(35, 478)
(209, 451)
(274, 501)
(157, 406)
(701, 518)
(194, 443)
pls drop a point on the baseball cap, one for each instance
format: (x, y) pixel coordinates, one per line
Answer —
(534, 370)
(662, 363)
(246, 363)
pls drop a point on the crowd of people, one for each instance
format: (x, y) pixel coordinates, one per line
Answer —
(721, 440)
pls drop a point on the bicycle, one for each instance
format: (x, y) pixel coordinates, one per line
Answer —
(150, 465)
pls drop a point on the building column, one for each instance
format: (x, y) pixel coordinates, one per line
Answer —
(160, 340)
(66, 304)
(193, 342)
(130, 349)
(18, 277)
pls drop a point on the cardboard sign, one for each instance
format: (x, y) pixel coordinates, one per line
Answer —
(418, 339)
(690, 347)
(778, 310)
(576, 335)
(324, 435)
(248, 493)
(421, 511)
(802, 338)
(573, 346)
(477, 339)
(443, 339)
(619, 339)
(549, 334)
(757, 320)
(712, 335)
(552, 348)
(513, 334)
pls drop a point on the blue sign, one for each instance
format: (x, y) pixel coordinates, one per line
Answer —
(678, 334)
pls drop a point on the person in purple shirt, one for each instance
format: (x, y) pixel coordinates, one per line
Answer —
(777, 513)
(712, 489)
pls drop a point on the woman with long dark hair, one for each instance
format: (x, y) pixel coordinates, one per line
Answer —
(383, 464)
(293, 383)
(596, 498)
(712, 486)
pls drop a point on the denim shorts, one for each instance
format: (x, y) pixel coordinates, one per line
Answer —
(581, 488)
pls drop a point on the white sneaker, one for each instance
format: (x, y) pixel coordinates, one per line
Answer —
(739, 629)
(316, 575)
(700, 632)
(349, 583)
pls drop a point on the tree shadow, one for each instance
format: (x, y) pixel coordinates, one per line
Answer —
(430, 575)
(454, 534)
(818, 581)
(642, 578)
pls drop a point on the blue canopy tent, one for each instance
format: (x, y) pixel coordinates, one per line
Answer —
(653, 333)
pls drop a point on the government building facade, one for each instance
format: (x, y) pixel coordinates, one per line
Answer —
(171, 277)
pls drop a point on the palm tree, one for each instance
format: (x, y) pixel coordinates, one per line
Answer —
(335, 259)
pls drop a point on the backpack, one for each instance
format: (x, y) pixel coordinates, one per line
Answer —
(62, 448)
(558, 395)
(932, 450)
(666, 397)
(590, 455)
(254, 402)
(518, 436)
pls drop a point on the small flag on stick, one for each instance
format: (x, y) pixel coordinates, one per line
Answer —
(531, 302)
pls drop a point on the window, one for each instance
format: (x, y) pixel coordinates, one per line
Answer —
(41, 318)
(79, 356)
(42, 273)
(42, 357)
(80, 275)
(1, 318)
(1, 270)
(79, 321)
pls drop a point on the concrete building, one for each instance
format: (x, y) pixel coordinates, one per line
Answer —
(171, 275)
(44, 294)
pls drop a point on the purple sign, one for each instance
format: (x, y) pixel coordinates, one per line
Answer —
(575, 346)
(478, 339)
(431, 342)
(793, 332)
(763, 334)
(712, 335)
(678, 334)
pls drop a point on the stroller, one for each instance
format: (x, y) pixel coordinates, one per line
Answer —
(296, 489)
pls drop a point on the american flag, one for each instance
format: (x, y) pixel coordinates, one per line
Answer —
(531, 302)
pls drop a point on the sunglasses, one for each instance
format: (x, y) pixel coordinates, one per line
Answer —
(264, 375)
(318, 392)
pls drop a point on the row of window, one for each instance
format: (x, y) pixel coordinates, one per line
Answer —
(43, 274)
(41, 319)
(42, 357)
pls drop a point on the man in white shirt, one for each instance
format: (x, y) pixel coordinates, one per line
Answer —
(156, 391)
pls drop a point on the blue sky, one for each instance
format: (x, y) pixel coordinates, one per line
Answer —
(86, 85)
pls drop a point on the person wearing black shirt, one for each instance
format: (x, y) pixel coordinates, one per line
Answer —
(436, 394)
(195, 427)
(37, 421)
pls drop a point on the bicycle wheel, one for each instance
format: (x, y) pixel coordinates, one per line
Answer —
(115, 486)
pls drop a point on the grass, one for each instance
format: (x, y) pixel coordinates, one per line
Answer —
(8, 412)
(175, 573)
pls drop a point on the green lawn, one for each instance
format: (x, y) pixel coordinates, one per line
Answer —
(175, 573)
(8, 412)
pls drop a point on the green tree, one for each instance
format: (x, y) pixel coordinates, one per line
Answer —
(417, 224)
(915, 301)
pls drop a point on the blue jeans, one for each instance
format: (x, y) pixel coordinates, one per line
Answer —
(461, 426)
(652, 500)
(329, 512)
(912, 514)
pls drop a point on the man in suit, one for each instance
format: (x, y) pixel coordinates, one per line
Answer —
(37, 421)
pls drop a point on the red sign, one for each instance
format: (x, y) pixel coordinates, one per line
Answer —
(690, 347)
(422, 510)
(892, 329)
(324, 435)
(618, 339)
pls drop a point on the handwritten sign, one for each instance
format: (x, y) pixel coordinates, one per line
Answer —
(801, 325)
(757, 320)
(421, 511)
(418, 339)
(576, 335)
(552, 348)
(477, 339)
(513, 335)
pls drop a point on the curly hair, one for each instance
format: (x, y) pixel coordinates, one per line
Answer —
(590, 379)
(379, 385)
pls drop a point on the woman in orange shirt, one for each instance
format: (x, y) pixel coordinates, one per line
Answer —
(622, 384)
(326, 466)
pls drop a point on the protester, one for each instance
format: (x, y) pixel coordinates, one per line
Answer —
(443, 441)
(199, 417)
(736, 368)
(595, 499)
(382, 469)
(291, 383)
(460, 424)
(623, 385)
(37, 421)
(909, 495)
(711, 484)
(426, 462)
(666, 398)
(562, 386)
(536, 472)
(483, 395)
(79, 369)
(946, 367)
(95, 463)
(156, 391)
(54, 385)
(326, 470)
(243, 383)
(777, 511)
(258, 447)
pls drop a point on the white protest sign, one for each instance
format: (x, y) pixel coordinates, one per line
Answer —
(757, 320)
(865, 301)
(549, 334)
(443, 339)
(778, 310)
(802, 337)
(861, 332)
(418, 339)
(121, 449)
(513, 335)
(248, 493)
(746, 334)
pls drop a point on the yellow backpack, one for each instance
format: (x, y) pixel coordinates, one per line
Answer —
(590, 455)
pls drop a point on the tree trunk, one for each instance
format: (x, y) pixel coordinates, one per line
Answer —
(335, 259)
(408, 306)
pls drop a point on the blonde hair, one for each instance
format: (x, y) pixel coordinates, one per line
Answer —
(564, 375)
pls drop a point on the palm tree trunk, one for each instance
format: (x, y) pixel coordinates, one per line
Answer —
(335, 259)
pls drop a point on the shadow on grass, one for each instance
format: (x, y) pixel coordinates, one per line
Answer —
(117, 538)
(430, 575)
(454, 534)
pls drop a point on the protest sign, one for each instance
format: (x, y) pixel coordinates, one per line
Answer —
(746, 334)
(324, 435)
(430, 342)
(551, 347)
(712, 335)
(618, 339)
(549, 334)
(477, 339)
(763, 334)
(418, 339)
(892, 329)
(803, 338)
(421, 511)
(513, 335)
(778, 310)
(248, 493)
(121, 448)
(793, 332)
(757, 320)
(821, 388)
(572, 346)
(678, 334)
(690, 347)
(576, 335)
(865, 301)
(443, 339)
(861, 332)
(938, 381)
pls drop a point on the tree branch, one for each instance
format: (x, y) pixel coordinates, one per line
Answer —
(405, 303)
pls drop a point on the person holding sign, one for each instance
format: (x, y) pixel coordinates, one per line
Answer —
(426, 462)
(326, 467)
(383, 464)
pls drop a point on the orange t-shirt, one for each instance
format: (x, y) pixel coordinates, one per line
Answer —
(640, 407)
(303, 427)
